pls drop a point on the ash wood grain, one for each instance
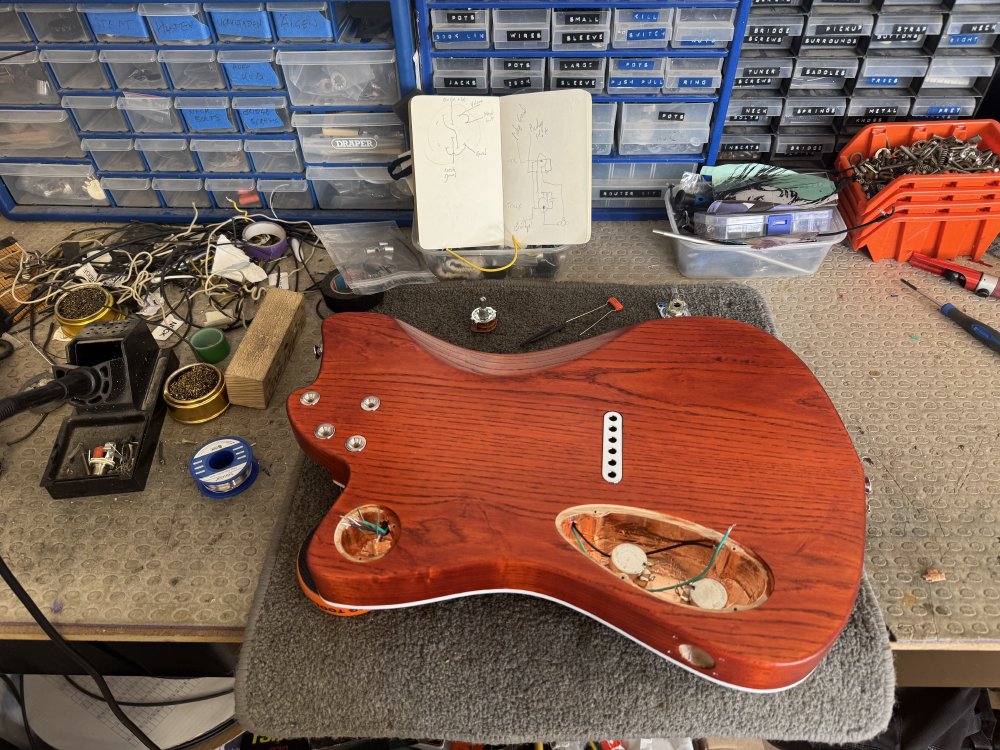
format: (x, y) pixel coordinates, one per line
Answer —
(478, 454)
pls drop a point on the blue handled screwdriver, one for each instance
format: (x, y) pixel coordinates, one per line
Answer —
(976, 328)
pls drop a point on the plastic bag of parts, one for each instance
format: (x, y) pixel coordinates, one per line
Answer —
(373, 257)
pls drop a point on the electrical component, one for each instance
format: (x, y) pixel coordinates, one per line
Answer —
(484, 318)
(224, 467)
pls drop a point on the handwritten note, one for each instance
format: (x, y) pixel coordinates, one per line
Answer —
(242, 24)
(208, 119)
(260, 75)
(125, 25)
(302, 25)
(179, 29)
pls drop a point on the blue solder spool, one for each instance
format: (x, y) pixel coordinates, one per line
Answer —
(224, 467)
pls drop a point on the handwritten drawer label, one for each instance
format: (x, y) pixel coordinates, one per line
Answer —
(127, 24)
(179, 28)
(311, 24)
(208, 119)
(261, 75)
(260, 119)
(251, 25)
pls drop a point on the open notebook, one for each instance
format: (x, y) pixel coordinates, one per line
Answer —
(487, 168)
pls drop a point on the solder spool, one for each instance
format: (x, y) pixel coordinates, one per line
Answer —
(197, 407)
(83, 305)
(224, 467)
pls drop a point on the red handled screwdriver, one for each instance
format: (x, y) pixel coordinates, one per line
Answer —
(977, 329)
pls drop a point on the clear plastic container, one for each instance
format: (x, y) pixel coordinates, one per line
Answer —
(206, 114)
(279, 157)
(96, 114)
(703, 28)
(891, 72)
(346, 77)
(517, 75)
(148, 114)
(971, 28)
(577, 73)
(943, 107)
(763, 71)
(745, 144)
(755, 224)
(53, 185)
(695, 76)
(176, 23)
(302, 22)
(535, 262)
(522, 29)
(905, 28)
(959, 71)
(863, 110)
(603, 128)
(837, 28)
(114, 23)
(827, 72)
(286, 194)
(24, 79)
(114, 154)
(581, 29)
(76, 68)
(642, 28)
(228, 191)
(166, 154)
(813, 109)
(460, 29)
(240, 22)
(773, 28)
(676, 128)
(55, 23)
(135, 69)
(460, 75)
(753, 111)
(263, 114)
(635, 185)
(358, 187)
(182, 192)
(346, 137)
(192, 69)
(250, 70)
(221, 155)
(635, 75)
(38, 133)
(801, 143)
(12, 31)
(131, 192)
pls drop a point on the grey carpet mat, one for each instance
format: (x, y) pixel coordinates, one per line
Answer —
(504, 668)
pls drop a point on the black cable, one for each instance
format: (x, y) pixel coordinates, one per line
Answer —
(147, 704)
(589, 543)
(19, 697)
(676, 545)
(876, 220)
(29, 433)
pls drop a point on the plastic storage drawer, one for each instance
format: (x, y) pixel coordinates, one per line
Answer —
(891, 72)
(280, 157)
(864, 110)
(192, 69)
(240, 23)
(521, 29)
(603, 128)
(240, 191)
(150, 114)
(681, 128)
(114, 154)
(263, 114)
(55, 23)
(577, 73)
(40, 134)
(176, 23)
(582, 30)
(460, 75)
(703, 28)
(821, 109)
(53, 185)
(24, 80)
(116, 24)
(460, 29)
(286, 194)
(802, 143)
(96, 114)
(76, 69)
(302, 22)
(626, 185)
(971, 29)
(831, 30)
(692, 76)
(182, 192)
(223, 155)
(358, 187)
(827, 73)
(959, 70)
(166, 154)
(348, 77)
(131, 192)
(135, 69)
(206, 114)
(773, 29)
(635, 75)
(12, 31)
(943, 107)
(250, 70)
(642, 28)
(517, 75)
(371, 137)
(905, 30)
(761, 72)
(742, 144)
(753, 110)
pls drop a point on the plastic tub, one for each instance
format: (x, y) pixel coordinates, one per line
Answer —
(134, 69)
(831, 29)
(131, 192)
(752, 110)
(192, 69)
(943, 107)
(280, 157)
(206, 114)
(55, 23)
(828, 73)
(96, 114)
(773, 28)
(240, 22)
(635, 75)
(517, 75)
(521, 29)
(116, 24)
(532, 262)
(150, 114)
(227, 191)
(676, 128)
(642, 28)
(905, 28)
(76, 68)
(763, 72)
(263, 114)
(804, 109)
(182, 192)
(745, 144)
(286, 194)
(114, 154)
(971, 28)
(703, 28)
(24, 79)
(634, 185)
(12, 31)
(221, 155)
(603, 128)
(960, 70)
(249, 70)
(358, 187)
(176, 23)
(577, 73)
(891, 72)
(302, 22)
(460, 29)
(460, 75)
(53, 185)
(42, 134)
(166, 154)
(694, 76)
(349, 136)
(581, 29)
(319, 79)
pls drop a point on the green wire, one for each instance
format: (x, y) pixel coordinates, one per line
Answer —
(579, 540)
(703, 573)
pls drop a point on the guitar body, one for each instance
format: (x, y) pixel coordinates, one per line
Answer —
(684, 481)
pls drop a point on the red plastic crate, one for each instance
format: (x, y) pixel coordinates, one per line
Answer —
(930, 230)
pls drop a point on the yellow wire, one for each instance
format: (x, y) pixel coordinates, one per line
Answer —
(517, 247)
(238, 209)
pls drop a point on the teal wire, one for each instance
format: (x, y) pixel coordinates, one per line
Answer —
(703, 573)
(579, 541)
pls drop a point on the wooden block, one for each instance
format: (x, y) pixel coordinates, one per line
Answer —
(10, 261)
(254, 370)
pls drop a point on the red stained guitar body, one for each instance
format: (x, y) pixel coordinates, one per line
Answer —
(603, 475)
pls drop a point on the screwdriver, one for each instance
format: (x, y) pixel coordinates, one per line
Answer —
(989, 336)
(546, 332)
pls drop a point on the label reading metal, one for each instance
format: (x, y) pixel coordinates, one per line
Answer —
(877, 111)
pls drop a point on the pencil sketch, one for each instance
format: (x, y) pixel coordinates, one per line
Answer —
(530, 164)
(458, 133)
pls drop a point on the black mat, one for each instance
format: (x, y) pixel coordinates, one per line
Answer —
(508, 668)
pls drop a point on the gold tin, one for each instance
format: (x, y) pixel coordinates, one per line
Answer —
(201, 409)
(72, 326)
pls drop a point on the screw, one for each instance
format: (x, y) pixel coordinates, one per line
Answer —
(370, 403)
(309, 398)
(355, 443)
(325, 431)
